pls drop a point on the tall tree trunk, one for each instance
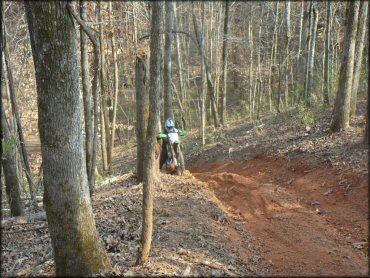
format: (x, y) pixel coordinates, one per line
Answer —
(272, 65)
(77, 248)
(308, 55)
(210, 85)
(342, 101)
(305, 46)
(9, 165)
(203, 88)
(104, 118)
(182, 95)
(362, 24)
(168, 98)
(13, 101)
(327, 53)
(251, 71)
(224, 62)
(115, 91)
(287, 56)
(312, 52)
(142, 109)
(150, 165)
(95, 94)
(86, 92)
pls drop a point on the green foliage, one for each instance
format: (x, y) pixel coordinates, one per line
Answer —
(306, 115)
(7, 145)
(214, 135)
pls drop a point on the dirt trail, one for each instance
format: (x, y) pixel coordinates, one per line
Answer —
(308, 218)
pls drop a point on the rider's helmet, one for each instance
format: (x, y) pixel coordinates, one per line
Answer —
(169, 125)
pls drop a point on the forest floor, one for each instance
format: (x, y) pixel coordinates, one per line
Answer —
(283, 198)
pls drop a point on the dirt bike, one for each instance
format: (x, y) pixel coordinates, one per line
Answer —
(173, 146)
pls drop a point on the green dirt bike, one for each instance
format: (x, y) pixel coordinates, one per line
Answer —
(172, 151)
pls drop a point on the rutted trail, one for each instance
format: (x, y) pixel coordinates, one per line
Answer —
(309, 219)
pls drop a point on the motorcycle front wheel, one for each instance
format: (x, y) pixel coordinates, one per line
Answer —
(180, 169)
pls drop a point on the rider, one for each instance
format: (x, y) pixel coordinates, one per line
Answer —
(169, 127)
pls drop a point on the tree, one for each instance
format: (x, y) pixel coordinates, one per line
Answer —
(311, 52)
(224, 62)
(10, 169)
(210, 85)
(168, 110)
(362, 24)
(104, 119)
(115, 91)
(341, 109)
(327, 53)
(86, 92)
(77, 248)
(142, 109)
(13, 101)
(150, 165)
(95, 95)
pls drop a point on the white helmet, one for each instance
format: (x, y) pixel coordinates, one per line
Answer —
(169, 124)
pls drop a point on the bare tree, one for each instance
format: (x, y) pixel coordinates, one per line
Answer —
(362, 24)
(342, 102)
(86, 92)
(77, 248)
(142, 109)
(9, 165)
(224, 62)
(327, 53)
(150, 165)
(210, 83)
(13, 101)
(168, 110)
(115, 90)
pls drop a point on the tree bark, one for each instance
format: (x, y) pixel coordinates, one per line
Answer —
(150, 165)
(210, 85)
(362, 24)
(86, 92)
(342, 102)
(224, 62)
(327, 53)
(104, 118)
(13, 101)
(9, 165)
(203, 87)
(168, 96)
(142, 109)
(77, 248)
(95, 94)
(115, 90)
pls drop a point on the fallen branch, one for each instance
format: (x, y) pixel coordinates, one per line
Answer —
(21, 231)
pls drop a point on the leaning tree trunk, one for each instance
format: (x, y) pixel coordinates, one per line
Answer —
(224, 62)
(13, 101)
(115, 91)
(9, 165)
(168, 110)
(104, 118)
(142, 109)
(362, 24)
(86, 92)
(342, 101)
(77, 247)
(150, 165)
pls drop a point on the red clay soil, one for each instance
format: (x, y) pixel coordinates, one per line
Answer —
(309, 219)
